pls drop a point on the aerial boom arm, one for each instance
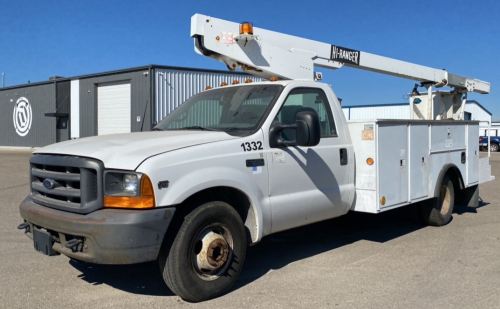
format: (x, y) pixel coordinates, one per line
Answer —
(267, 53)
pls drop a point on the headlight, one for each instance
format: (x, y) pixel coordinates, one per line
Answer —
(130, 184)
(128, 190)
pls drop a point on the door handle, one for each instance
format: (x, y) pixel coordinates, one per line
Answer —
(343, 156)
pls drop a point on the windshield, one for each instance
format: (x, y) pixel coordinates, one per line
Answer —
(231, 109)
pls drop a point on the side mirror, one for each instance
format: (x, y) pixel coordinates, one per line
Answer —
(307, 131)
(308, 128)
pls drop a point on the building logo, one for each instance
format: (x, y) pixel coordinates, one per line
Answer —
(22, 116)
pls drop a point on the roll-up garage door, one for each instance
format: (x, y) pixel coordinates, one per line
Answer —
(113, 108)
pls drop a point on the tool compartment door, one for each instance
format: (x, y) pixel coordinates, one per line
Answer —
(472, 154)
(419, 161)
(393, 164)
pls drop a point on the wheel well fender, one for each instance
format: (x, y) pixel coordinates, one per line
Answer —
(240, 201)
(453, 172)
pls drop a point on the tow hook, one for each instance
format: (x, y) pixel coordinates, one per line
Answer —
(73, 243)
(24, 225)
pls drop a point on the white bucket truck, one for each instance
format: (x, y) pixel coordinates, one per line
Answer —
(236, 163)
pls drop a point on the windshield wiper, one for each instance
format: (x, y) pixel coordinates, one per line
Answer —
(157, 129)
(231, 129)
(198, 128)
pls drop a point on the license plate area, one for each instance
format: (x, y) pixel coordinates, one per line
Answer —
(42, 241)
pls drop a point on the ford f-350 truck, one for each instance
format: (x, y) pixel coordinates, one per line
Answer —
(238, 162)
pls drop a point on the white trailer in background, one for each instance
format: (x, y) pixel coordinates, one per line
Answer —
(239, 162)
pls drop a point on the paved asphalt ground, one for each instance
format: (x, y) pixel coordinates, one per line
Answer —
(360, 260)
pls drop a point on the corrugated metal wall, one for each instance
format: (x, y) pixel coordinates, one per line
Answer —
(377, 112)
(140, 93)
(173, 87)
(42, 99)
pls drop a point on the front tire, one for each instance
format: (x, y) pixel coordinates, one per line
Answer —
(437, 211)
(207, 255)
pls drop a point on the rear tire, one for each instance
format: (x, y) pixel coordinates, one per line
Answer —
(437, 211)
(207, 254)
(493, 147)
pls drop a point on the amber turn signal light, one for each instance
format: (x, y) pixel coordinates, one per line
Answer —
(147, 187)
(128, 202)
(369, 161)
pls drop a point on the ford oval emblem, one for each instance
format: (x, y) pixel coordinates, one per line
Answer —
(49, 183)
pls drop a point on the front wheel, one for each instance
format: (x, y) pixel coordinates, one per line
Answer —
(437, 211)
(207, 255)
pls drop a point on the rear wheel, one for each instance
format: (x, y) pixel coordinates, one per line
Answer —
(493, 147)
(207, 255)
(437, 211)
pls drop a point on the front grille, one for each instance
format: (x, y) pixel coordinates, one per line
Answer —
(73, 183)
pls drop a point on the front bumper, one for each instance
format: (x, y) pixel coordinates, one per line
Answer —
(109, 236)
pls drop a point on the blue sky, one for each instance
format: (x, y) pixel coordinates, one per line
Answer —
(39, 39)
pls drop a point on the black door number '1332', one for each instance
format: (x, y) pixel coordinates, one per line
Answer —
(249, 146)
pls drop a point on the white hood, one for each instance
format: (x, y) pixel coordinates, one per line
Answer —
(127, 151)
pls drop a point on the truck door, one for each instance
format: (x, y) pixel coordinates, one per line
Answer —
(309, 184)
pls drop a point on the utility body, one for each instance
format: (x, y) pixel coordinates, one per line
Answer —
(239, 162)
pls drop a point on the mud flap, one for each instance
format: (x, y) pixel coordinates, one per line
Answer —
(469, 197)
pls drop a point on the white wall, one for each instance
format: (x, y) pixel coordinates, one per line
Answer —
(477, 112)
(75, 109)
(403, 112)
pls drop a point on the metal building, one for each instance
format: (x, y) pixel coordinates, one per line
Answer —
(380, 111)
(129, 100)
(473, 111)
(494, 129)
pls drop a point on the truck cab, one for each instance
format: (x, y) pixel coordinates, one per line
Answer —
(220, 138)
